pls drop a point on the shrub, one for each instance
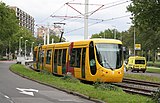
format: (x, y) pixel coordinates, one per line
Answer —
(45, 72)
(69, 77)
(153, 64)
(3, 59)
(156, 96)
(106, 86)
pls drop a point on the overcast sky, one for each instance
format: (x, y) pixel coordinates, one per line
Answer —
(102, 19)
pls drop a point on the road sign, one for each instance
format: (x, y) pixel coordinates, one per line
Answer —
(137, 46)
(27, 91)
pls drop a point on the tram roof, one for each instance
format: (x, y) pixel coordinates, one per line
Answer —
(83, 42)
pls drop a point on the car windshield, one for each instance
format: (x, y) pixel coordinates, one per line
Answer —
(109, 55)
(139, 61)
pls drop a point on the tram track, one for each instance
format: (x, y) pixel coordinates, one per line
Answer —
(138, 86)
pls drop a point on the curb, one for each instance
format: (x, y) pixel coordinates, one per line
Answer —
(64, 90)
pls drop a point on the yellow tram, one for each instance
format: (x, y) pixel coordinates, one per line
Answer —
(90, 60)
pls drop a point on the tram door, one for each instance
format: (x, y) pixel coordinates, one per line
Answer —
(64, 61)
(55, 61)
(40, 62)
(38, 59)
(83, 62)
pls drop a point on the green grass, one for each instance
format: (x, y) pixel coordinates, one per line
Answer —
(109, 96)
(142, 77)
(145, 77)
(157, 62)
(153, 70)
(1, 59)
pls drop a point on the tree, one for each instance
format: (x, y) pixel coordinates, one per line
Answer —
(8, 27)
(26, 34)
(146, 13)
(11, 44)
(146, 21)
(56, 38)
(107, 34)
(8, 22)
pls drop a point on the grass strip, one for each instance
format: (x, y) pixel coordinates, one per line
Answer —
(92, 91)
(142, 77)
(153, 70)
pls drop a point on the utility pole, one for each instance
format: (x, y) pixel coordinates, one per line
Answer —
(134, 39)
(86, 15)
(48, 34)
(114, 33)
(44, 33)
(86, 20)
(52, 40)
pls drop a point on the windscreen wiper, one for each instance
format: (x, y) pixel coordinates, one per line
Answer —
(106, 62)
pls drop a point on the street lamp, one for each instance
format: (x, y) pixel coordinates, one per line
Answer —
(32, 49)
(20, 46)
(25, 48)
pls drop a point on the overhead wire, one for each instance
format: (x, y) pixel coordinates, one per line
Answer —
(88, 12)
(55, 12)
(98, 23)
(78, 16)
(116, 3)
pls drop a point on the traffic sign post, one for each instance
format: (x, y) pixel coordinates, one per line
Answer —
(137, 46)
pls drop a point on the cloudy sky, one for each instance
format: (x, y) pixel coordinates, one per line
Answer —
(111, 15)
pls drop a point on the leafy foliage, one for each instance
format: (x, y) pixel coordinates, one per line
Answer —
(146, 13)
(56, 38)
(108, 34)
(156, 96)
(106, 86)
(147, 23)
(69, 77)
(8, 22)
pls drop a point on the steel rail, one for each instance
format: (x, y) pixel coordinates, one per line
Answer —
(139, 86)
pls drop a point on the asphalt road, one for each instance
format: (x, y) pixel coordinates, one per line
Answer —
(15, 89)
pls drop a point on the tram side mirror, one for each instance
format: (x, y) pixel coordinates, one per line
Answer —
(126, 62)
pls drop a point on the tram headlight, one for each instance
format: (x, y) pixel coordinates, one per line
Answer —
(119, 73)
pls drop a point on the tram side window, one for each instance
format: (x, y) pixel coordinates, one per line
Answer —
(92, 59)
(64, 57)
(59, 57)
(48, 57)
(42, 55)
(75, 57)
(55, 57)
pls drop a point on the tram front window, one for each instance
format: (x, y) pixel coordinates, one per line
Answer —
(109, 55)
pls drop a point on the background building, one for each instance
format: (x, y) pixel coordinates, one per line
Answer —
(25, 20)
(41, 30)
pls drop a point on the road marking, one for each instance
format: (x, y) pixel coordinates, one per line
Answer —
(27, 91)
(6, 96)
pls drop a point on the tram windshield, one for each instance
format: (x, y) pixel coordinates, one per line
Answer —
(109, 55)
